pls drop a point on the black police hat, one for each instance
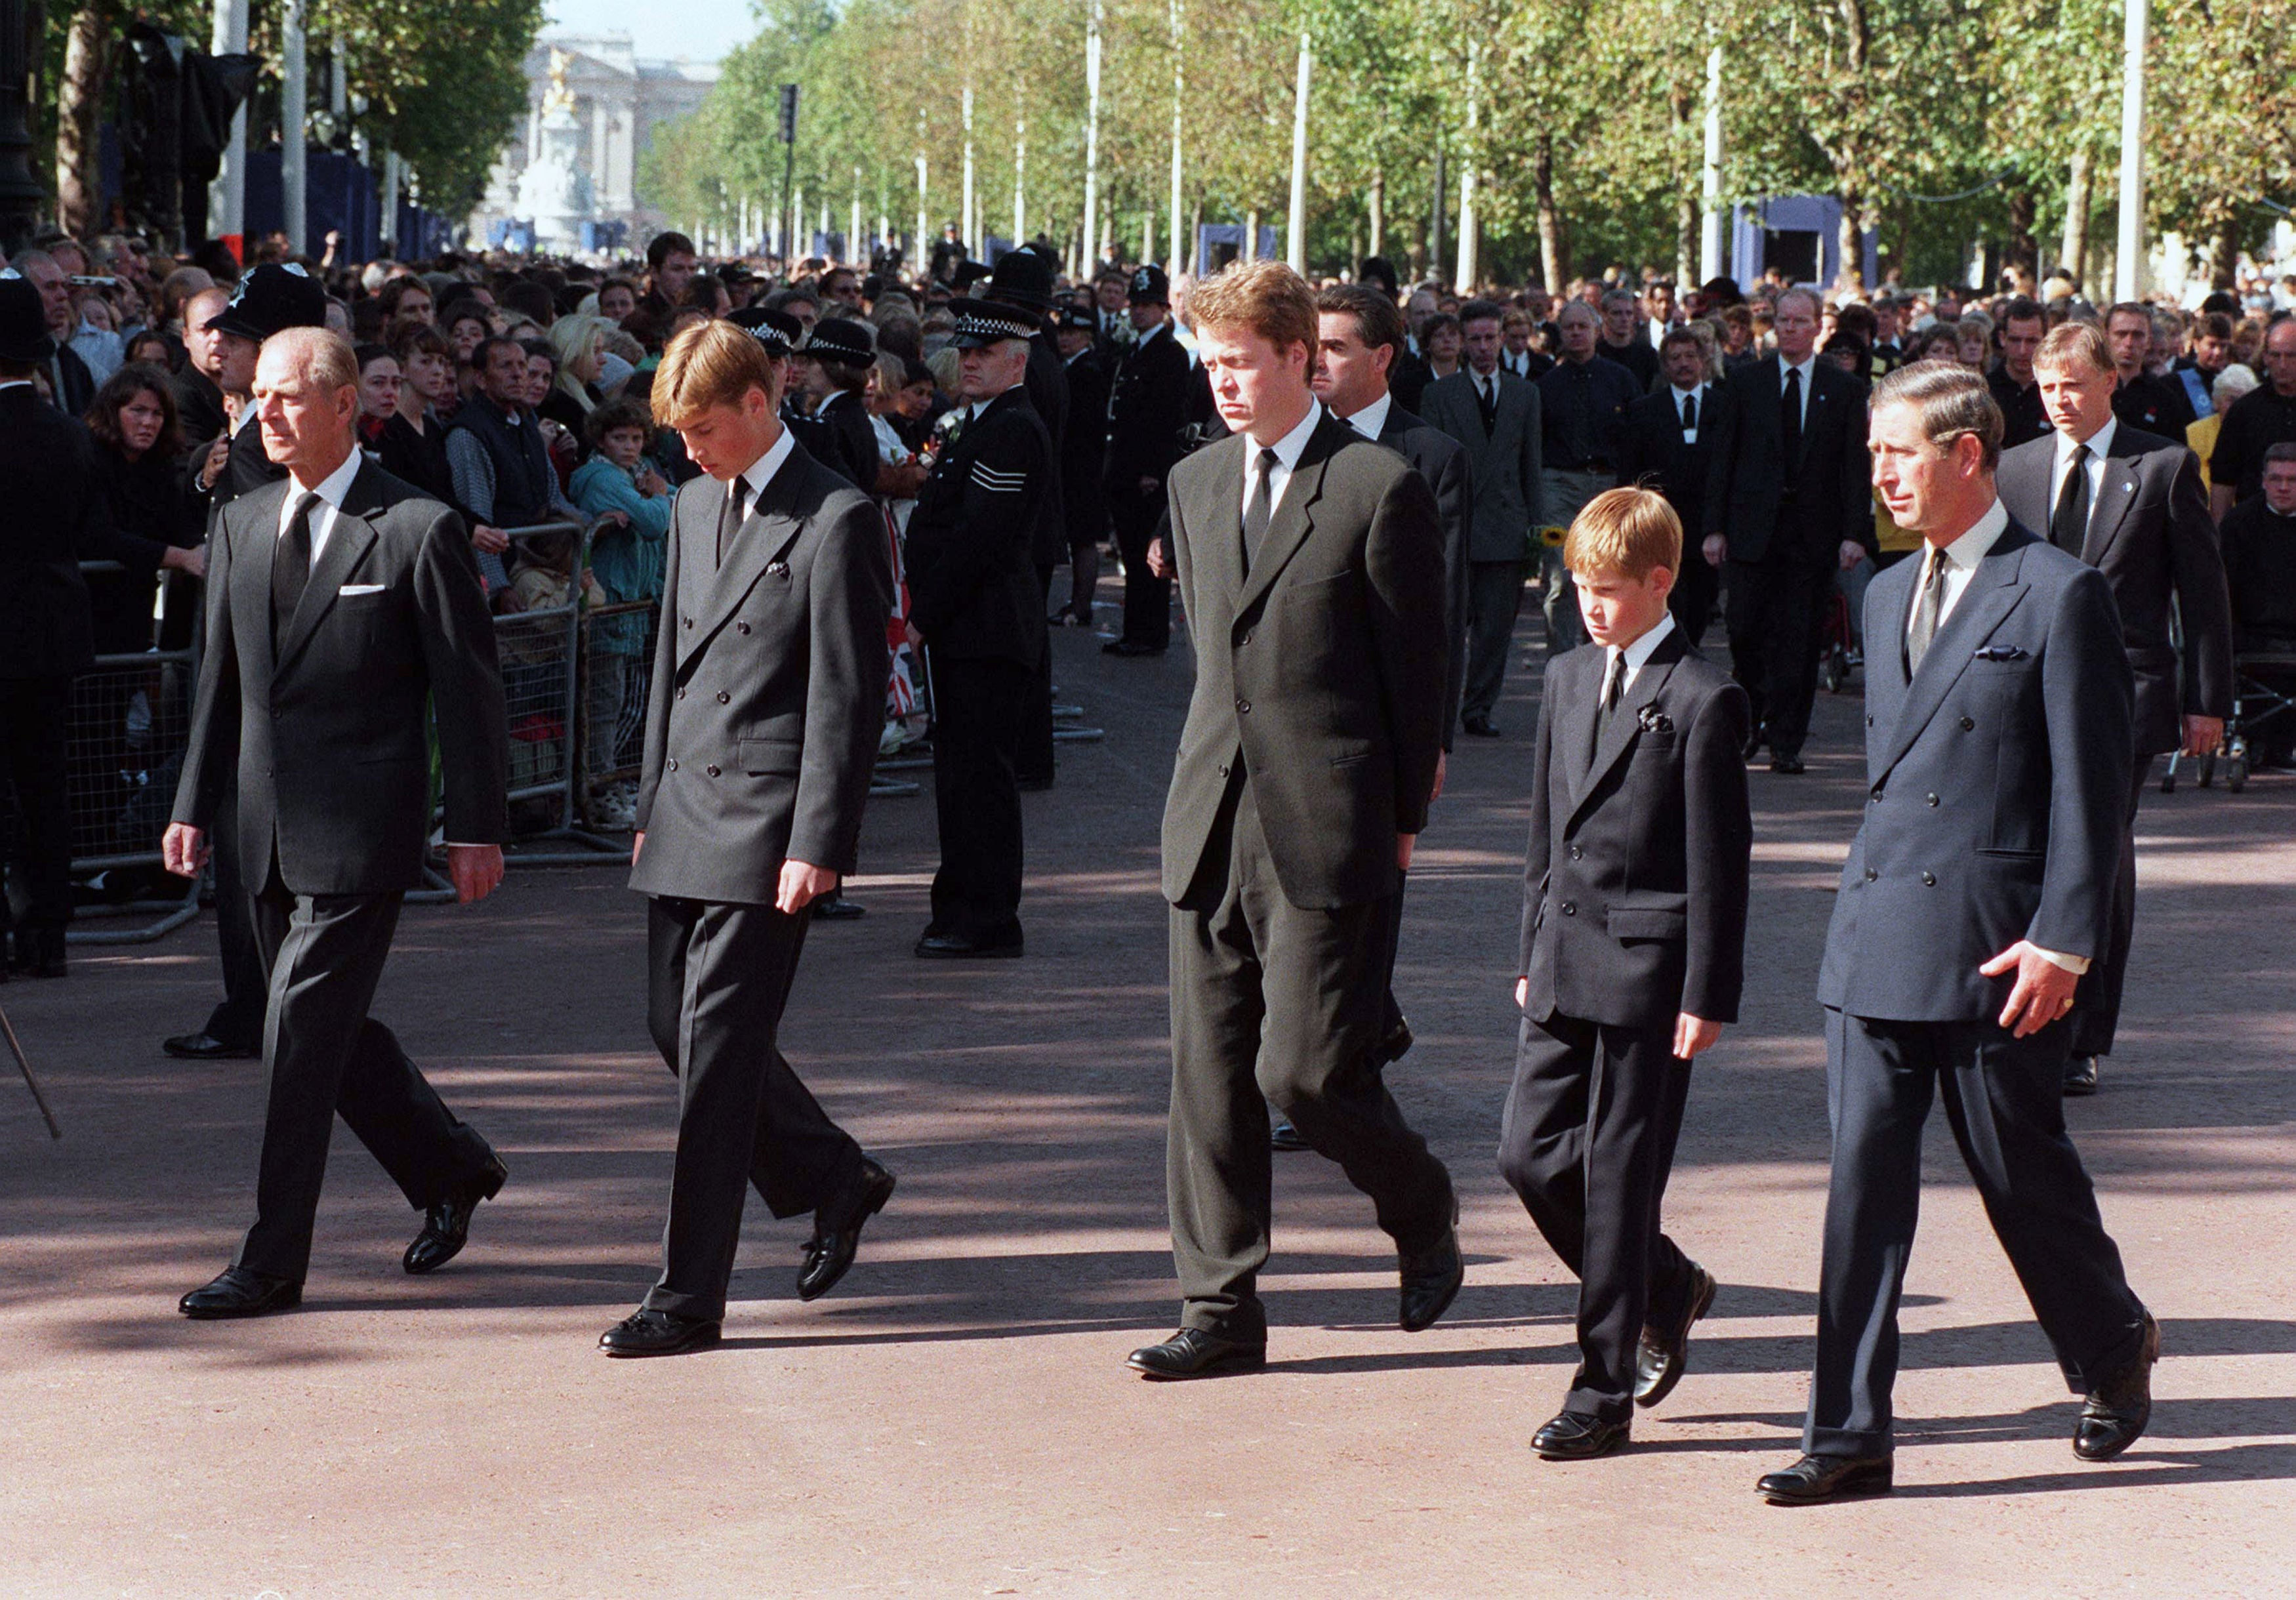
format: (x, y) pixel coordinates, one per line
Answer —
(1149, 287)
(777, 331)
(839, 338)
(23, 320)
(275, 295)
(983, 322)
(969, 272)
(1023, 277)
(1077, 317)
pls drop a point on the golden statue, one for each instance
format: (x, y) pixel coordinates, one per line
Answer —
(559, 98)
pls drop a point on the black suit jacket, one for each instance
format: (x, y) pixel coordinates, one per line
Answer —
(843, 422)
(1654, 453)
(1504, 463)
(2150, 534)
(1634, 884)
(199, 403)
(1083, 449)
(768, 689)
(1442, 461)
(330, 734)
(1997, 787)
(1047, 383)
(1147, 408)
(57, 517)
(973, 575)
(1324, 669)
(1769, 508)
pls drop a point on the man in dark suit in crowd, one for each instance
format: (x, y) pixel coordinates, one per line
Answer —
(70, 382)
(344, 622)
(2014, 388)
(55, 511)
(1997, 744)
(199, 399)
(2129, 504)
(1311, 564)
(1634, 933)
(2154, 404)
(1626, 339)
(766, 698)
(1583, 401)
(2263, 417)
(1787, 504)
(267, 300)
(975, 604)
(1494, 415)
(1662, 447)
(1083, 450)
(1147, 408)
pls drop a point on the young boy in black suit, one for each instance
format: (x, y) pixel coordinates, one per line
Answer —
(1633, 953)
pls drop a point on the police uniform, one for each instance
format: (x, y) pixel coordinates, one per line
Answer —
(1147, 410)
(1022, 281)
(840, 423)
(973, 595)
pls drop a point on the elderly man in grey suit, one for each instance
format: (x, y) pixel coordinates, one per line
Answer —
(1310, 562)
(768, 698)
(2130, 505)
(1495, 415)
(1977, 891)
(344, 609)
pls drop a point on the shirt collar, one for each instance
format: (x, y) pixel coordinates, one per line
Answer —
(1977, 543)
(1640, 652)
(1372, 419)
(16, 383)
(1805, 368)
(334, 488)
(1294, 444)
(2099, 443)
(1681, 395)
(760, 471)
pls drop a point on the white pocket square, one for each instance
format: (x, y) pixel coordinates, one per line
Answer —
(351, 589)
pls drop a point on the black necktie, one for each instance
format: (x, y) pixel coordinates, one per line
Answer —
(291, 563)
(729, 516)
(2069, 528)
(1613, 680)
(1928, 605)
(1690, 412)
(1789, 417)
(1487, 400)
(1260, 512)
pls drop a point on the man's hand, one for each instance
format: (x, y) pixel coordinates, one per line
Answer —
(1693, 1034)
(477, 870)
(1852, 553)
(2202, 734)
(1403, 843)
(1160, 559)
(801, 884)
(1442, 762)
(219, 453)
(637, 843)
(185, 850)
(650, 482)
(2042, 994)
(489, 541)
(193, 561)
(1522, 993)
(1716, 549)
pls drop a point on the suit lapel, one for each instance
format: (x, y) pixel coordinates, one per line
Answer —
(1625, 722)
(1295, 516)
(2115, 498)
(257, 516)
(764, 538)
(1215, 560)
(1993, 592)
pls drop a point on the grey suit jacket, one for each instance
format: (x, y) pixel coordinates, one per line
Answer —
(328, 736)
(1324, 669)
(1997, 787)
(1503, 464)
(2150, 534)
(768, 692)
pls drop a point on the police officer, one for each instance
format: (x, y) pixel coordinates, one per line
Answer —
(1147, 408)
(975, 604)
(1022, 281)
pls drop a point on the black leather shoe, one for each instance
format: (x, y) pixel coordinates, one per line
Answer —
(1787, 766)
(959, 947)
(446, 1226)
(240, 1291)
(1130, 647)
(2113, 1416)
(1819, 1477)
(1193, 1353)
(1755, 741)
(1431, 1279)
(837, 1230)
(204, 1046)
(834, 908)
(2080, 1077)
(1282, 1135)
(1579, 1436)
(1665, 1350)
(648, 1333)
(1481, 727)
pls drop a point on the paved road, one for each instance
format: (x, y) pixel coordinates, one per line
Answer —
(956, 1420)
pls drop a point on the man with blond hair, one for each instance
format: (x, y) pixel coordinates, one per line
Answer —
(768, 698)
(1310, 562)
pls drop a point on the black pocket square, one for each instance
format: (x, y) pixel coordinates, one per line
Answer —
(1652, 720)
(2000, 653)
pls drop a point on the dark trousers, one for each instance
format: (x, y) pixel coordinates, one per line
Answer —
(238, 1017)
(978, 708)
(1276, 1005)
(322, 1054)
(1774, 615)
(1147, 598)
(2096, 1001)
(1693, 599)
(33, 718)
(1494, 601)
(2004, 1100)
(1084, 578)
(717, 977)
(1587, 1141)
(1034, 759)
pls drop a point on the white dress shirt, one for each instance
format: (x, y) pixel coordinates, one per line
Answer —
(1288, 451)
(2100, 445)
(1636, 654)
(760, 471)
(331, 490)
(1808, 370)
(1690, 434)
(1372, 418)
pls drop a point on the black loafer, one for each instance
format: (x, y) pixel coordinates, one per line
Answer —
(240, 1291)
(1282, 1137)
(1194, 1353)
(1431, 1278)
(446, 1226)
(1659, 1362)
(649, 1332)
(204, 1046)
(1579, 1436)
(1815, 1479)
(834, 908)
(2080, 1077)
(961, 947)
(1481, 727)
(2114, 1414)
(1787, 766)
(837, 1230)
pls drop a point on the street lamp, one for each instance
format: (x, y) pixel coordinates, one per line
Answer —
(21, 195)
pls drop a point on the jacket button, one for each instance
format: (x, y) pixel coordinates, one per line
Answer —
(1242, 705)
(688, 622)
(725, 699)
(1931, 799)
(1223, 772)
(1930, 879)
(1871, 874)
(1869, 722)
(1577, 853)
(741, 627)
(1571, 908)
(681, 693)
(671, 763)
(1967, 723)
(711, 770)
(1245, 640)
(1877, 794)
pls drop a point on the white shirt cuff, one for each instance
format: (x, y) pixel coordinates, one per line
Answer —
(2078, 965)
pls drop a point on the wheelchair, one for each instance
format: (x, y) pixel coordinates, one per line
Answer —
(2257, 704)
